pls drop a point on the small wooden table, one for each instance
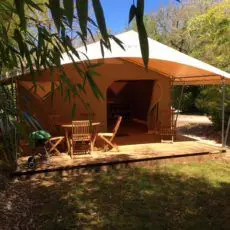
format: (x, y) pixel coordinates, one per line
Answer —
(68, 126)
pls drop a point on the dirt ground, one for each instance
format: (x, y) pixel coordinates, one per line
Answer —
(198, 127)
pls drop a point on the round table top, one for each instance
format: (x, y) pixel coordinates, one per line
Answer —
(70, 125)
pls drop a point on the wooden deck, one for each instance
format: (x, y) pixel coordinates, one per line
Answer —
(128, 154)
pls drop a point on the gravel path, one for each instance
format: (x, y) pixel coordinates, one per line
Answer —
(184, 120)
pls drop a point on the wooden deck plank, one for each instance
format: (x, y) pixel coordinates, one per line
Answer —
(127, 153)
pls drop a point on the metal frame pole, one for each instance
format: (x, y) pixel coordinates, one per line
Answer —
(171, 92)
(180, 103)
(223, 112)
(227, 132)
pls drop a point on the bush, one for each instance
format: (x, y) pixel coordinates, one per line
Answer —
(210, 102)
(7, 166)
(189, 97)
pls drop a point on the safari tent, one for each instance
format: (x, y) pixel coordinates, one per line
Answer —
(143, 97)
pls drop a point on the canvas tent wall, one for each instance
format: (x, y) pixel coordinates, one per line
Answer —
(166, 65)
(111, 71)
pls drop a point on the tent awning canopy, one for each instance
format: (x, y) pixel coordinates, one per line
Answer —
(163, 59)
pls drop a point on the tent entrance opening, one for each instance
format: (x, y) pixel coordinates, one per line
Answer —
(130, 99)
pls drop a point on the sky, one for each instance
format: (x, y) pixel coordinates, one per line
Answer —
(117, 12)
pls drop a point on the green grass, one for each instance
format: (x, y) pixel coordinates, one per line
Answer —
(190, 196)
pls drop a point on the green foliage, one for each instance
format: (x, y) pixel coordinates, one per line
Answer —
(8, 112)
(188, 98)
(200, 29)
(211, 31)
(82, 10)
(151, 27)
(169, 24)
(138, 13)
(210, 102)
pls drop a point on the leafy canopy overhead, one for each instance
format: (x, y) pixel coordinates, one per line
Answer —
(36, 44)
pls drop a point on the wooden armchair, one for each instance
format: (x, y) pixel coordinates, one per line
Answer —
(81, 136)
(108, 137)
(167, 132)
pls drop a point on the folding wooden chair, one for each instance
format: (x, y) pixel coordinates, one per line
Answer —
(108, 137)
(43, 147)
(81, 135)
(52, 144)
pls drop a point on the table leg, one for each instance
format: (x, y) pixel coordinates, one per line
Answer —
(67, 141)
(93, 142)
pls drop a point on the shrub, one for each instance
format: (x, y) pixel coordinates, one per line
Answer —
(210, 101)
(189, 96)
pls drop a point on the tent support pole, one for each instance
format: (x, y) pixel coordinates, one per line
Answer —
(180, 102)
(171, 92)
(223, 100)
(227, 132)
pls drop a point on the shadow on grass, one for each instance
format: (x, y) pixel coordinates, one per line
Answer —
(131, 198)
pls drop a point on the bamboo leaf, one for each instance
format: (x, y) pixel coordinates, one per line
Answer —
(82, 37)
(21, 64)
(102, 48)
(132, 13)
(67, 95)
(93, 86)
(91, 34)
(74, 110)
(140, 8)
(143, 37)
(98, 10)
(33, 4)
(94, 73)
(69, 11)
(92, 22)
(82, 11)
(95, 65)
(20, 4)
(19, 40)
(54, 6)
(118, 41)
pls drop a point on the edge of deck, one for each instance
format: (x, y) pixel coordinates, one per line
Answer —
(112, 162)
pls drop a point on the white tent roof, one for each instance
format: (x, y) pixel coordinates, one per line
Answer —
(163, 59)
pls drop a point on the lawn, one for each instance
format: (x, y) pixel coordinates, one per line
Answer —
(188, 196)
